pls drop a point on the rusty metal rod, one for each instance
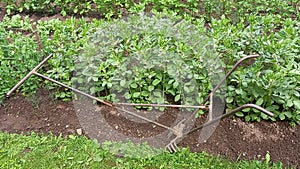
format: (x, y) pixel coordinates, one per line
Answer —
(229, 114)
(102, 101)
(28, 76)
(161, 105)
(148, 120)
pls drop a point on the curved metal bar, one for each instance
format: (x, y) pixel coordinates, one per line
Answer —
(172, 146)
(222, 81)
(228, 74)
(229, 114)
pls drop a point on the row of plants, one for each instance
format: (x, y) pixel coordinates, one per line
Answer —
(84, 54)
(271, 82)
(208, 9)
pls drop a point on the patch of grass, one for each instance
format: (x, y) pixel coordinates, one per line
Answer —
(34, 151)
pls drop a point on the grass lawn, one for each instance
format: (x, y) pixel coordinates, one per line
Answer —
(35, 151)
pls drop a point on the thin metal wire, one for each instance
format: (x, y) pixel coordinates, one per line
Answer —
(204, 107)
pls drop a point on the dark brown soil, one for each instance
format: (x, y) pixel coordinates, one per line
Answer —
(233, 138)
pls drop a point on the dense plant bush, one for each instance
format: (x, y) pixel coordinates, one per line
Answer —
(18, 54)
(273, 80)
(143, 59)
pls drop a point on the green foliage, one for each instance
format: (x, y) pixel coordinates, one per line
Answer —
(145, 64)
(18, 54)
(209, 9)
(129, 149)
(34, 151)
(65, 42)
(273, 80)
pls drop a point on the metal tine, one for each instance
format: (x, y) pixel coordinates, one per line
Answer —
(172, 146)
(169, 147)
(177, 148)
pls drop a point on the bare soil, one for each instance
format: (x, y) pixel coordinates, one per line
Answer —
(232, 139)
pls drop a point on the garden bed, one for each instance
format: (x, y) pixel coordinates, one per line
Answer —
(233, 138)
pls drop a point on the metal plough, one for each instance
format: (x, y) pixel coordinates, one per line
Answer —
(177, 130)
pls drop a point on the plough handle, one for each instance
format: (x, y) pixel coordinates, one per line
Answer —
(221, 82)
(28, 75)
(227, 75)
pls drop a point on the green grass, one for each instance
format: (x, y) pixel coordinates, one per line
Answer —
(34, 151)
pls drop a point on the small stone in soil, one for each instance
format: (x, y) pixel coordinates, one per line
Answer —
(79, 131)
